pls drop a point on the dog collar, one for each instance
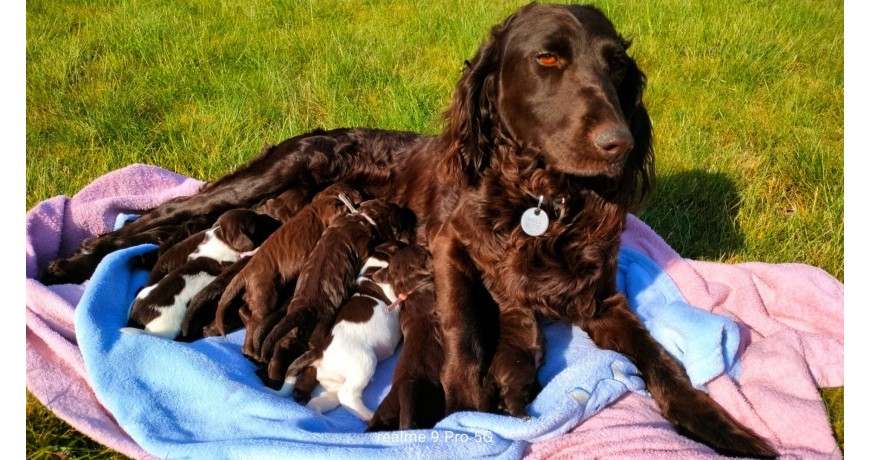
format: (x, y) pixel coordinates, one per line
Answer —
(353, 210)
(535, 221)
(401, 298)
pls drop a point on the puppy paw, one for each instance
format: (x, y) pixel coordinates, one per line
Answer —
(75, 270)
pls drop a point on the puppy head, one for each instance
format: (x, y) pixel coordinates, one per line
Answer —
(243, 229)
(385, 252)
(392, 221)
(410, 269)
(328, 205)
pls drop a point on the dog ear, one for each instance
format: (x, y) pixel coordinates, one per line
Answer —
(471, 117)
(638, 179)
(234, 236)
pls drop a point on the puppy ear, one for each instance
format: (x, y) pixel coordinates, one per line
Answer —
(382, 275)
(234, 236)
(638, 179)
(471, 117)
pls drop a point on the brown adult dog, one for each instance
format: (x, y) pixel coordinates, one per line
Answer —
(257, 288)
(551, 105)
(416, 398)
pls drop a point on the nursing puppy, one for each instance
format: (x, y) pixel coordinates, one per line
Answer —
(240, 229)
(416, 399)
(160, 308)
(365, 333)
(254, 292)
(284, 206)
(327, 280)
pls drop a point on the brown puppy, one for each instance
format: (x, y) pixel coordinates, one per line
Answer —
(286, 205)
(254, 292)
(416, 398)
(327, 280)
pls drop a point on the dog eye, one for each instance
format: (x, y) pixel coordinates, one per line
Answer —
(548, 59)
(617, 69)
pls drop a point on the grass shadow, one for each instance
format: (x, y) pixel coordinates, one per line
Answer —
(695, 212)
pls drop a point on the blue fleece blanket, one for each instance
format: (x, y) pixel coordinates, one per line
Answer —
(203, 400)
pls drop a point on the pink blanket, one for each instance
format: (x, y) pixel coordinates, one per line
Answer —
(792, 315)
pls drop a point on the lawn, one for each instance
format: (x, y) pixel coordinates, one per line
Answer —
(746, 100)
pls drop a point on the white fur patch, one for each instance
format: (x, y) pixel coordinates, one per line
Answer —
(286, 388)
(213, 248)
(168, 323)
(145, 291)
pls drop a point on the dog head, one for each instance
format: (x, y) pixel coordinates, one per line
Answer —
(330, 207)
(391, 220)
(411, 269)
(243, 229)
(556, 81)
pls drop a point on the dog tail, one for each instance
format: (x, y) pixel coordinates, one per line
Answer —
(304, 361)
(694, 413)
(228, 298)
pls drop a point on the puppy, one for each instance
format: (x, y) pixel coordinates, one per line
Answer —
(160, 308)
(169, 237)
(416, 398)
(236, 229)
(284, 206)
(254, 292)
(327, 280)
(365, 333)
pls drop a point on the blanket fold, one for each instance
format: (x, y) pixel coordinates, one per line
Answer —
(750, 334)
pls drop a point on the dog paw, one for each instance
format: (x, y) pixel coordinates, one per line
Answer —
(75, 270)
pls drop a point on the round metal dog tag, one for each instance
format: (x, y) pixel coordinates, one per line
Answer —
(534, 222)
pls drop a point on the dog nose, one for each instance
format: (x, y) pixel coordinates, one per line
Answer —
(613, 142)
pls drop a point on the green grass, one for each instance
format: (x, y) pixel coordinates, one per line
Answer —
(746, 99)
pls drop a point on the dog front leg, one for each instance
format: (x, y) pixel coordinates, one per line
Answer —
(615, 326)
(469, 323)
(514, 367)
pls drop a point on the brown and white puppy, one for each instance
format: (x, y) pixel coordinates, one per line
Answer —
(327, 280)
(237, 230)
(160, 308)
(416, 398)
(257, 288)
(366, 332)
